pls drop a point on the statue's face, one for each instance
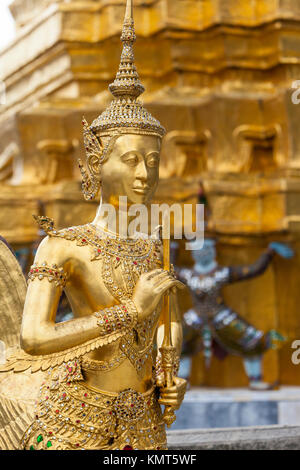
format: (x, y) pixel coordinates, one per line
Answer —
(207, 255)
(132, 169)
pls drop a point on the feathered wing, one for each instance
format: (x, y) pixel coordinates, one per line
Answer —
(17, 391)
(12, 297)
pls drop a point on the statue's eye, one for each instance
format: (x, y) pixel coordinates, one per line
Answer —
(153, 161)
(130, 159)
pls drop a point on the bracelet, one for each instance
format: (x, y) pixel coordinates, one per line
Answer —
(116, 318)
(52, 273)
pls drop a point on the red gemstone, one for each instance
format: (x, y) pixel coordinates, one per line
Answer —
(78, 421)
(77, 445)
(83, 405)
(135, 262)
(85, 394)
(46, 398)
(99, 251)
(127, 448)
(118, 259)
(84, 240)
(132, 405)
(56, 411)
(64, 395)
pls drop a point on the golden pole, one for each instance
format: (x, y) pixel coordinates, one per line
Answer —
(167, 350)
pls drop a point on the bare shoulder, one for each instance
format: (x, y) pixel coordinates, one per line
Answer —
(58, 247)
(53, 250)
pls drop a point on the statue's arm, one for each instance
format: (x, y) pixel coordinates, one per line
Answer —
(241, 273)
(40, 335)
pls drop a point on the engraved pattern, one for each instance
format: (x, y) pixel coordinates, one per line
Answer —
(70, 416)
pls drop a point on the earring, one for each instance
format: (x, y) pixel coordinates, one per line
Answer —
(91, 183)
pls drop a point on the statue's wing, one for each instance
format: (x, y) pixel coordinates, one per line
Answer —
(17, 391)
(12, 296)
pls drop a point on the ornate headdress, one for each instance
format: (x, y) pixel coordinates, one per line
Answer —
(125, 114)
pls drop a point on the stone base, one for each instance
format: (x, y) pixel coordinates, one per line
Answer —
(231, 408)
(251, 438)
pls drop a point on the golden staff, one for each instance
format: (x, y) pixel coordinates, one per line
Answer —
(167, 350)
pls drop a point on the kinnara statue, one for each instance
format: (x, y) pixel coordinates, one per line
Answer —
(222, 330)
(105, 375)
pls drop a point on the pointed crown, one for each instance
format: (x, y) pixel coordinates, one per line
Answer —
(126, 114)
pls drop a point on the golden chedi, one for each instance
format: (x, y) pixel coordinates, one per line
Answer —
(105, 380)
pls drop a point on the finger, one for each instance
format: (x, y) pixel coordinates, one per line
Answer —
(169, 389)
(158, 278)
(170, 400)
(171, 396)
(169, 284)
(153, 273)
(173, 403)
(160, 380)
(180, 382)
(175, 398)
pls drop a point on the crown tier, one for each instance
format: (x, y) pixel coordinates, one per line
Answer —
(126, 112)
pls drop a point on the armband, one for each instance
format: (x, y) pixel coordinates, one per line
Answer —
(118, 317)
(52, 273)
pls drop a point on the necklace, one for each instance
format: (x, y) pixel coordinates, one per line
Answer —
(133, 257)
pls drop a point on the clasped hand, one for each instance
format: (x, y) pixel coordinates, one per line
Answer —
(150, 288)
(174, 395)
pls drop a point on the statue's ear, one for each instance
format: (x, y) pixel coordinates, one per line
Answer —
(93, 150)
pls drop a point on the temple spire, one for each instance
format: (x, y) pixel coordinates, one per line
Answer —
(126, 113)
(127, 83)
(129, 11)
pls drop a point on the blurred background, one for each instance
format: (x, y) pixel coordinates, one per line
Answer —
(219, 75)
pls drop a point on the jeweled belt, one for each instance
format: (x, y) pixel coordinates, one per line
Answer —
(127, 406)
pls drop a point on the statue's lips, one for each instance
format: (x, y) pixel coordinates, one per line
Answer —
(141, 190)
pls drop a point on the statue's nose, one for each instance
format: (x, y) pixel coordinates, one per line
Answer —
(141, 171)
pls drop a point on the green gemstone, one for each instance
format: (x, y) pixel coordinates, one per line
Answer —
(40, 438)
(32, 448)
(49, 444)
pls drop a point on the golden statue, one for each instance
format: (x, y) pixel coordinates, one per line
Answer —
(110, 368)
